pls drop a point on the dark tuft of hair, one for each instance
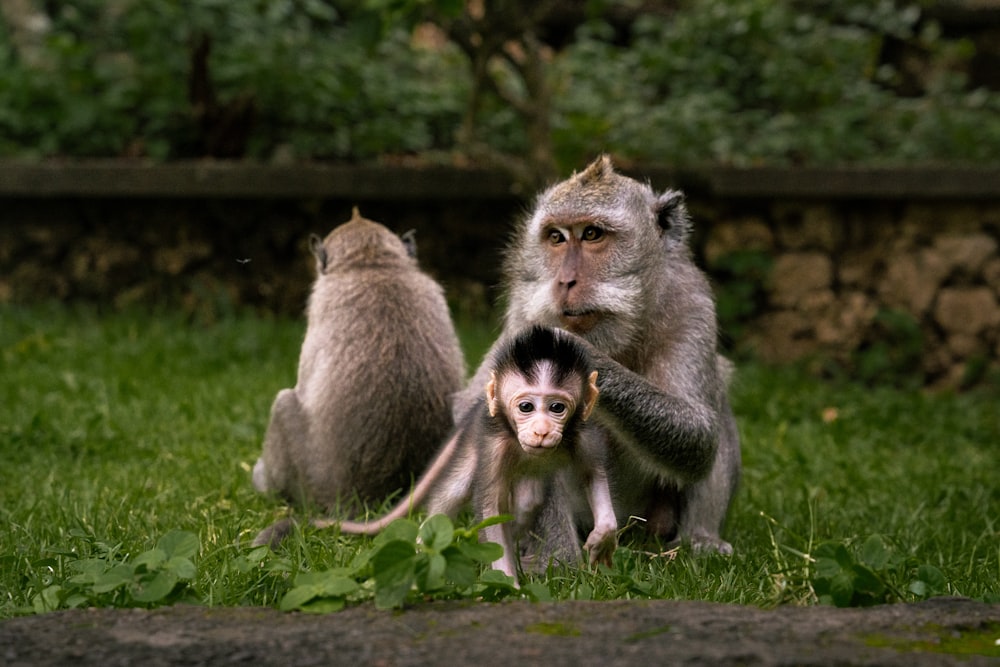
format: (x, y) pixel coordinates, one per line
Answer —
(528, 347)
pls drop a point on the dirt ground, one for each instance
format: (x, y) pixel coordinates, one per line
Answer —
(946, 631)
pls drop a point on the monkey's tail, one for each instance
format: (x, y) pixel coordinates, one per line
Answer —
(273, 534)
(417, 497)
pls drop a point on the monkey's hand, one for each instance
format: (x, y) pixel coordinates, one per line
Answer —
(600, 546)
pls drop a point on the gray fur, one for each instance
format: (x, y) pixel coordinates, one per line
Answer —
(650, 318)
(378, 366)
(484, 463)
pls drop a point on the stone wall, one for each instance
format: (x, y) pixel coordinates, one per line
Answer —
(846, 276)
(899, 273)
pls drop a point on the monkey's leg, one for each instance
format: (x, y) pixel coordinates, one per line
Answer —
(529, 494)
(603, 539)
(706, 502)
(272, 473)
(494, 503)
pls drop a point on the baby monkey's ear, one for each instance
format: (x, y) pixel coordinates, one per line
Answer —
(491, 395)
(591, 392)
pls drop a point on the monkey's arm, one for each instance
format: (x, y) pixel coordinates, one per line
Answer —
(673, 432)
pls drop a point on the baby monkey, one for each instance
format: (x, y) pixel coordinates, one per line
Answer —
(526, 428)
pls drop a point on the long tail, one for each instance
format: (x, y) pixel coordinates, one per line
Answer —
(417, 497)
(276, 532)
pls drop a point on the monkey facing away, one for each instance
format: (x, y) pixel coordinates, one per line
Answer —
(376, 326)
(606, 258)
(526, 428)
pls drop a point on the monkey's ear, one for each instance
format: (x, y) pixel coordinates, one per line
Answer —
(318, 251)
(491, 394)
(590, 396)
(672, 217)
(409, 239)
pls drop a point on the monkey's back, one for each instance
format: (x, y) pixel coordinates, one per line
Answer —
(378, 389)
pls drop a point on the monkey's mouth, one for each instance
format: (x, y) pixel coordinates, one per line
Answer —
(538, 449)
(579, 321)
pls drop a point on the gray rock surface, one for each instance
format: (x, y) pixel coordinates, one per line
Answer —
(946, 631)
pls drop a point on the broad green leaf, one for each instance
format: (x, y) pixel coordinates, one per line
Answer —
(919, 588)
(827, 568)
(179, 543)
(402, 530)
(537, 591)
(842, 589)
(47, 600)
(460, 569)
(430, 572)
(324, 605)
(298, 596)
(843, 556)
(481, 552)
(394, 565)
(76, 600)
(90, 569)
(497, 578)
(333, 583)
(868, 582)
(156, 588)
(933, 577)
(874, 553)
(150, 560)
(583, 591)
(119, 575)
(437, 532)
(182, 567)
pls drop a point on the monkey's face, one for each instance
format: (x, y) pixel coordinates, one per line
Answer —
(539, 417)
(585, 256)
(537, 410)
(586, 283)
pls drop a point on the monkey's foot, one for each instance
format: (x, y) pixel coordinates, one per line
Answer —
(601, 545)
(704, 543)
(260, 477)
(273, 534)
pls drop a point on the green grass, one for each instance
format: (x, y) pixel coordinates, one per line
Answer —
(117, 429)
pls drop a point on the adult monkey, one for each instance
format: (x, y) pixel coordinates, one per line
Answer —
(379, 363)
(605, 257)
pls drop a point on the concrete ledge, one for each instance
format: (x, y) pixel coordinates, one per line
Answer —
(241, 180)
(946, 182)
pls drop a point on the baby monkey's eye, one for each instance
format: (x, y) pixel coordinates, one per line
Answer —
(556, 237)
(592, 233)
(525, 407)
(557, 408)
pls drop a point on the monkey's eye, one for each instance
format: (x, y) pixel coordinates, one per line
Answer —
(557, 408)
(524, 407)
(592, 233)
(556, 237)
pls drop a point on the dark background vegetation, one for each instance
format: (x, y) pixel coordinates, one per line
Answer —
(529, 89)
(535, 86)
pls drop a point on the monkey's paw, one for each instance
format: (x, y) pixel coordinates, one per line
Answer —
(703, 543)
(600, 546)
(260, 478)
(273, 534)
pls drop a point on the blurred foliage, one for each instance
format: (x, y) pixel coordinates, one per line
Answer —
(115, 79)
(750, 81)
(739, 280)
(730, 81)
